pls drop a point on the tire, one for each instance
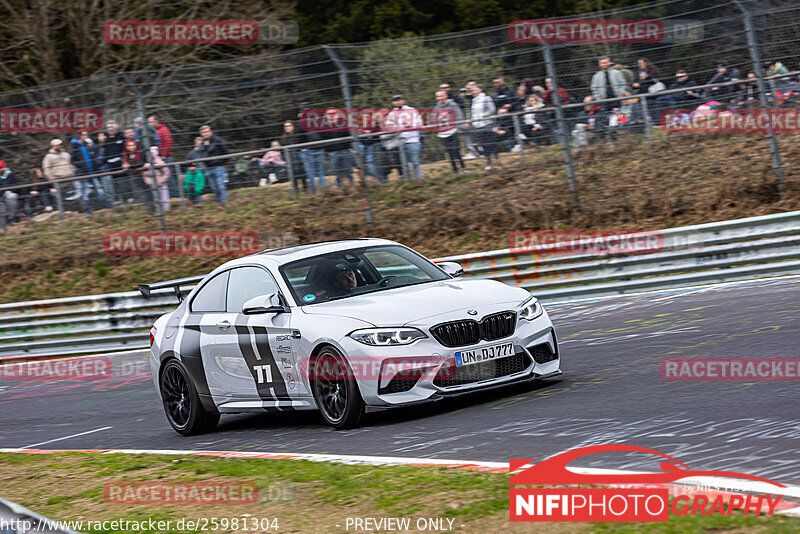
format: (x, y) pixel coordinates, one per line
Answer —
(335, 390)
(181, 402)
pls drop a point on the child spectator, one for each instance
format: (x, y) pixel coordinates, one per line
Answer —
(161, 177)
(272, 164)
(194, 182)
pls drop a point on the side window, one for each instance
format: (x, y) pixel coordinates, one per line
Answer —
(211, 297)
(387, 263)
(246, 283)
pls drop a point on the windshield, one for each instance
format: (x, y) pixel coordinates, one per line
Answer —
(352, 272)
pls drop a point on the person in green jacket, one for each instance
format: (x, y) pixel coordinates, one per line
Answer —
(193, 183)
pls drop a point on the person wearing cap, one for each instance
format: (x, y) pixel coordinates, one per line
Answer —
(8, 198)
(723, 74)
(57, 163)
(689, 97)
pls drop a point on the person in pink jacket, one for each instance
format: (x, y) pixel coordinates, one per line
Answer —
(162, 177)
(272, 164)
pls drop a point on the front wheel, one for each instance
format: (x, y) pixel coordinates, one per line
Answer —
(335, 390)
(182, 404)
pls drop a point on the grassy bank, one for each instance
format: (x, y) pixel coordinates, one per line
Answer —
(307, 497)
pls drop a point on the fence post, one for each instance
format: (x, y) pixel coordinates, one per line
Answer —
(348, 102)
(562, 125)
(646, 117)
(287, 158)
(146, 145)
(755, 57)
(59, 203)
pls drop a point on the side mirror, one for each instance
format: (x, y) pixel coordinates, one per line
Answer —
(264, 304)
(452, 268)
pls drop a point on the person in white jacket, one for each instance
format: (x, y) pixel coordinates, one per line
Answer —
(481, 123)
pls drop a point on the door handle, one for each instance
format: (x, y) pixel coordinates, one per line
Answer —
(223, 325)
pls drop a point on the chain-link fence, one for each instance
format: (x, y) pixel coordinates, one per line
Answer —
(551, 110)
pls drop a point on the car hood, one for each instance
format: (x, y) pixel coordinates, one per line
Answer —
(413, 304)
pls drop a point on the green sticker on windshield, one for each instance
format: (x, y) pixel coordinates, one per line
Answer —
(310, 298)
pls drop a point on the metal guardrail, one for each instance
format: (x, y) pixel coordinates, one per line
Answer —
(16, 519)
(705, 253)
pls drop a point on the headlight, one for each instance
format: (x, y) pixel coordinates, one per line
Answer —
(387, 336)
(531, 310)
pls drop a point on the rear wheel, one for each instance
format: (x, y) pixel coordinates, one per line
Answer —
(182, 404)
(335, 390)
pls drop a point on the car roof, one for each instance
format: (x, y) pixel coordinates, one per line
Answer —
(284, 255)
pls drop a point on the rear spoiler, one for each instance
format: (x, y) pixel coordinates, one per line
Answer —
(147, 289)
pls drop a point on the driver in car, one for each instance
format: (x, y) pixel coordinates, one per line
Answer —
(344, 281)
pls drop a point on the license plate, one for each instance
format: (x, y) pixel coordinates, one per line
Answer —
(482, 354)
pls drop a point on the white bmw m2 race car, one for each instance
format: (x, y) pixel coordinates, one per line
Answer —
(341, 327)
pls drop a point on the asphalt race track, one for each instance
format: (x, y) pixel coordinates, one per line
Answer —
(611, 392)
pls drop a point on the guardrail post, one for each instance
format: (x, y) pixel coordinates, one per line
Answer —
(562, 125)
(755, 57)
(146, 145)
(348, 102)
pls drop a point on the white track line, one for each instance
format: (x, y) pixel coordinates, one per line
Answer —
(67, 437)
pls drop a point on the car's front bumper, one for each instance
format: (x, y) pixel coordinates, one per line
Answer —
(420, 367)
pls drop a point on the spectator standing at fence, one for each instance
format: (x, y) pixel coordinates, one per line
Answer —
(338, 146)
(627, 74)
(606, 83)
(289, 137)
(584, 131)
(39, 198)
(534, 129)
(272, 164)
(132, 162)
(165, 145)
(57, 163)
(313, 157)
(194, 182)
(212, 146)
(8, 198)
(197, 152)
(547, 96)
(408, 121)
(646, 76)
(370, 146)
(101, 165)
(506, 101)
(481, 124)
(469, 140)
(84, 159)
(724, 74)
(112, 152)
(159, 175)
(139, 128)
(448, 110)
